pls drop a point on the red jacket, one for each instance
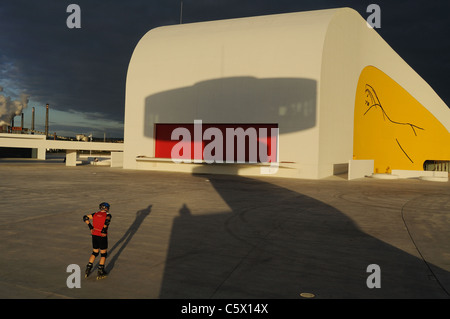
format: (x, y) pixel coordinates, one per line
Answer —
(98, 221)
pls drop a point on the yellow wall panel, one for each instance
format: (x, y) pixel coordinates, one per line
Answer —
(393, 128)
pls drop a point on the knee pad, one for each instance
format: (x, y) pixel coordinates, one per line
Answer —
(95, 253)
(103, 255)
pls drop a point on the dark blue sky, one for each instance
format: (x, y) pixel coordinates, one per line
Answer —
(81, 73)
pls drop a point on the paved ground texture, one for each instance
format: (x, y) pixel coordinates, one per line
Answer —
(178, 235)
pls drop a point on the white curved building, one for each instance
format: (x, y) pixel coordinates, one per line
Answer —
(303, 73)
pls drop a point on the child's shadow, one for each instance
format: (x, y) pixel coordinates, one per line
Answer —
(140, 216)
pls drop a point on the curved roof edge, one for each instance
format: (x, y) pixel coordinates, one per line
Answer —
(308, 19)
(363, 47)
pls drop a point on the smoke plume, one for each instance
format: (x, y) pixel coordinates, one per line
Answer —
(10, 108)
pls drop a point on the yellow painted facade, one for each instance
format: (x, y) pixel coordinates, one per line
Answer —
(393, 128)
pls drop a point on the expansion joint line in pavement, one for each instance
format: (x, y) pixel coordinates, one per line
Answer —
(252, 248)
(418, 250)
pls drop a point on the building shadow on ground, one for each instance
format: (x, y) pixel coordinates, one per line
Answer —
(277, 243)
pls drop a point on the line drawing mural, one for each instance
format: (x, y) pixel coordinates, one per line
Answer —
(373, 102)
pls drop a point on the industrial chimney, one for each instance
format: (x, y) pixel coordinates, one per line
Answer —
(46, 121)
(32, 120)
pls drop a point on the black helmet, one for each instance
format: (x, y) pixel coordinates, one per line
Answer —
(104, 204)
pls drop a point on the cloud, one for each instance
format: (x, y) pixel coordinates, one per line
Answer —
(75, 69)
(84, 70)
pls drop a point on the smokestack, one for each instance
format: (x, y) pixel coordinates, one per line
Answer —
(10, 108)
(32, 119)
(21, 122)
(46, 121)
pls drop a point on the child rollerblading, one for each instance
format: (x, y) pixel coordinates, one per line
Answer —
(99, 231)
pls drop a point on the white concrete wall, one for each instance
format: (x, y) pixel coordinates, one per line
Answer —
(254, 70)
(41, 144)
(39, 141)
(116, 159)
(35, 142)
(360, 168)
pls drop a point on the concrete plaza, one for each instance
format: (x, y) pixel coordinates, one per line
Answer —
(176, 235)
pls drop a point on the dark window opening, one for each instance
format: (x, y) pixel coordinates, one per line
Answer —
(434, 165)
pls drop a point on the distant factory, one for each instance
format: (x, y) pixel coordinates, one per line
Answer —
(14, 129)
(22, 129)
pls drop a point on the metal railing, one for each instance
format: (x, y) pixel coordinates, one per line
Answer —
(438, 166)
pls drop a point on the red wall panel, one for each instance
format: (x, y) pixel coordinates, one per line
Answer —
(258, 141)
